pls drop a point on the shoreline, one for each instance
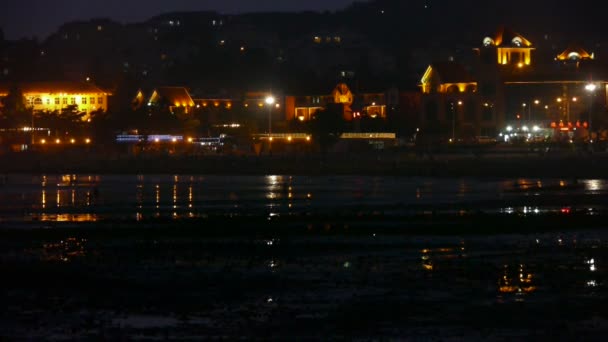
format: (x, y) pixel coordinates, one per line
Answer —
(524, 164)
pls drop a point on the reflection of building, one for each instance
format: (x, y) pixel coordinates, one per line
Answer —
(506, 84)
(58, 96)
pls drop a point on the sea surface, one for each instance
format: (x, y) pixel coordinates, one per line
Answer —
(82, 197)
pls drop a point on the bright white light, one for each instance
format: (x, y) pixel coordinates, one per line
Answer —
(590, 87)
(509, 128)
(536, 128)
(270, 100)
(525, 128)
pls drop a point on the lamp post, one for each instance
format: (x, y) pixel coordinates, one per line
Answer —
(454, 113)
(270, 100)
(590, 87)
(536, 103)
(32, 125)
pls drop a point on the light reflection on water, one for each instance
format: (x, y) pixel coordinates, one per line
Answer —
(73, 197)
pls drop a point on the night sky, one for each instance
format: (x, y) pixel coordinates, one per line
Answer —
(19, 18)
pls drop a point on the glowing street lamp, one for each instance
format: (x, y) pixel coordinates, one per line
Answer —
(590, 87)
(270, 100)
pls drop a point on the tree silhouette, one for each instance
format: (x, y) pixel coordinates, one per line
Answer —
(14, 113)
(327, 125)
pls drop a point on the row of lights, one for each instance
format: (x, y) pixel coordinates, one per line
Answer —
(289, 138)
(58, 141)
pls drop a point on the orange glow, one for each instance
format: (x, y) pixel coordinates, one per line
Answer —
(190, 139)
(43, 141)
(87, 141)
(57, 141)
(289, 138)
(72, 141)
(307, 138)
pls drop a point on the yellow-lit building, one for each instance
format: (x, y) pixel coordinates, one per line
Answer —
(303, 108)
(506, 86)
(511, 48)
(172, 97)
(57, 96)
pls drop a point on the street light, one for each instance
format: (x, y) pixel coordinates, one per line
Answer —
(270, 101)
(590, 87)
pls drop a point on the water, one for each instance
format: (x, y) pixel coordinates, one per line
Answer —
(106, 197)
(180, 284)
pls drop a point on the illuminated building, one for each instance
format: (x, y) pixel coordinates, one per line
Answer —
(303, 108)
(172, 97)
(506, 85)
(57, 96)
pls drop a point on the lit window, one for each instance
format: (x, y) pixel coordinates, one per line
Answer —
(73, 100)
(92, 100)
(337, 39)
(65, 100)
(37, 101)
(574, 56)
(487, 41)
(517, 41)
(83, 100)
(100, 100)
(57, 100)
(317, 39)
(48, 102)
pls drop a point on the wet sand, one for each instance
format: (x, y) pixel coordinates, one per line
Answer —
(320, 279)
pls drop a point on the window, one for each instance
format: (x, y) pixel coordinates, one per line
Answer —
(48, 102)
(73, 100)
(57, 101)
(83, 100)
(100, 100)
(65, 100)
(92, 100)
(517, 41)
(37, 101)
